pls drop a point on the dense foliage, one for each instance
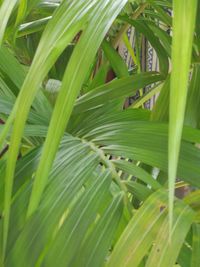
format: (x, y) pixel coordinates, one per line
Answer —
(85, 179)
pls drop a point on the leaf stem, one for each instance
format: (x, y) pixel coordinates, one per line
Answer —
(124, 29)
(108, 164)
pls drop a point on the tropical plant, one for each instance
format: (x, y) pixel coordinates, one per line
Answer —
(84, 180)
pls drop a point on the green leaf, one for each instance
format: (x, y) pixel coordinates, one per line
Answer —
(92, 36)
(139, 191)
(140, 233)
(10, 67)
(117, 63)
(192, 115)
(138, 172)
(163, 15)
(33, 26)
(61, 192)
(21, 11)
(114, 90)
(14, 75)
(183, 32)
(195, 245)
(160, 111)
(185, 254)
(5, 12)
(165, 252)
(97, 118)
(70, 16)
(130, 140)
(95, 248)
(142, 27)
(163, 36)
(72, 232)
(193, 199)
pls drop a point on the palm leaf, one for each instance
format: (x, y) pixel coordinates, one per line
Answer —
(91, 188)
(66, 99)
(59, 38)
(5, 12)
(184, 20)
